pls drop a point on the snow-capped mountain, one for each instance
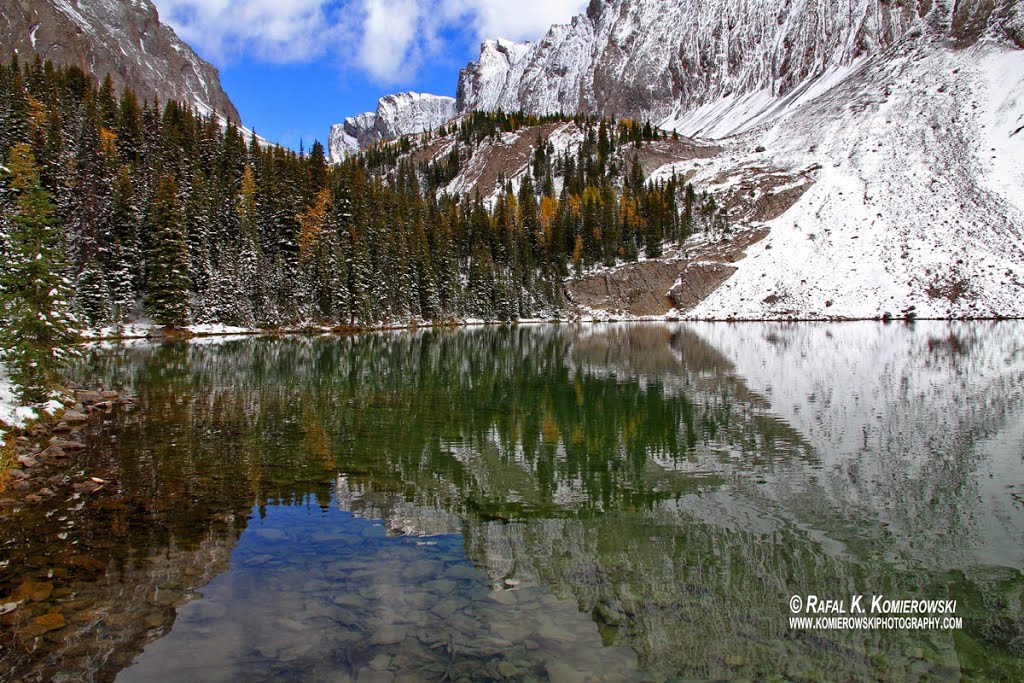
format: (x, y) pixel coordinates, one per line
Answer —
(663, 60)
(123, 38)
(481, 83)
(875, 148)
(402, 114)
(917, 161)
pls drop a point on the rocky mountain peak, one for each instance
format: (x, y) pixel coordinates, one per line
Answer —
(663, 60)
(481, 80)
(122, 38)
(396, 115)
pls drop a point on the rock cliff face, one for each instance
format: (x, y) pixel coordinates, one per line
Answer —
(878, 145)
(396, 115)
(703, 67)
(123, 38)
(662, 60)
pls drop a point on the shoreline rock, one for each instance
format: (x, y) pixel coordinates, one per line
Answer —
(35, 449)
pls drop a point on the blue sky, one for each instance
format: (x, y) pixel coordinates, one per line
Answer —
(294, 67)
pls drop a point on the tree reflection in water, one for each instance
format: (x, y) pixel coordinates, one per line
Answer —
(660, 490)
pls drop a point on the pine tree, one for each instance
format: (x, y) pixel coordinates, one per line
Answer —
(91, 197)
(129, 128)
(6, 249)
(167, 258)
(92, 294)
(126, 251)
(14, 108)
(249, 255)
(689, 198)
(40, 328)
(316, 248)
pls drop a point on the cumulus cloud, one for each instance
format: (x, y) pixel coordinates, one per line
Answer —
(392, 43)
(515, 19)
(399, 35)
(269, 30)
(388, 39)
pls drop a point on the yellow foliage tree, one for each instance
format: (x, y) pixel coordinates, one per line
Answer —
(108, 139)
(575, 206)
(311, 224)
(577, 254)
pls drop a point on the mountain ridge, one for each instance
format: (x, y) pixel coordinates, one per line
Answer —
(396, 115)
(660, 60)
(681, 63)
(122, 38)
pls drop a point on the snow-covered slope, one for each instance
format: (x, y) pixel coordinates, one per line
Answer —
(122, 38)
(661, 59)
(907, 117)
(397, 115)
(917, 207)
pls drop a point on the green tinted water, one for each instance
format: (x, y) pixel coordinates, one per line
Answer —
(632, 502)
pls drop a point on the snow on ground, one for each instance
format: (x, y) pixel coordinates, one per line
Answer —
(734, 114)
(143, 330)
(139, 330)
(12, 413)
(211, 329)
(919, 162)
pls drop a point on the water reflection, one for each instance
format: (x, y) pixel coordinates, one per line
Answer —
(322, 595)
(631, 501)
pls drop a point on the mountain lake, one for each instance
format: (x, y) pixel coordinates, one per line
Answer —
(605, 502)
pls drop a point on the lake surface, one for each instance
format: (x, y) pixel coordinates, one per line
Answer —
(569, 503)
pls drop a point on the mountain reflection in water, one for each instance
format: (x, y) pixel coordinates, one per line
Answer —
(613, 502)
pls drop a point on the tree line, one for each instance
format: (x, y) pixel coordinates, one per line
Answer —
(117, 210)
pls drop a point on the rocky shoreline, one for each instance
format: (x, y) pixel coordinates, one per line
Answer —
(48, 445)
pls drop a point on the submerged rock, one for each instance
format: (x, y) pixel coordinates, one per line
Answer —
(44, 624)
(507, 669)
(388, 635)
(31, 591)
(58, 444)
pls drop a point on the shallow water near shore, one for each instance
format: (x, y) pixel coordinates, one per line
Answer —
(554, 502)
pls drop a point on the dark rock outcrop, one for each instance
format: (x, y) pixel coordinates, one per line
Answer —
(697, 281)
(654, 288)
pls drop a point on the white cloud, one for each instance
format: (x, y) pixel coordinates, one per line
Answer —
(398, 35)
(392, 39)
(270, 30)
(388, 39)
(513, 19)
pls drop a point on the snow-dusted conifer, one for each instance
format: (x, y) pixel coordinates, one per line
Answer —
(92, 294)
(167, 258)
(39, 328)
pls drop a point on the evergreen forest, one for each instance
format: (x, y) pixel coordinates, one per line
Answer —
(115, 210)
